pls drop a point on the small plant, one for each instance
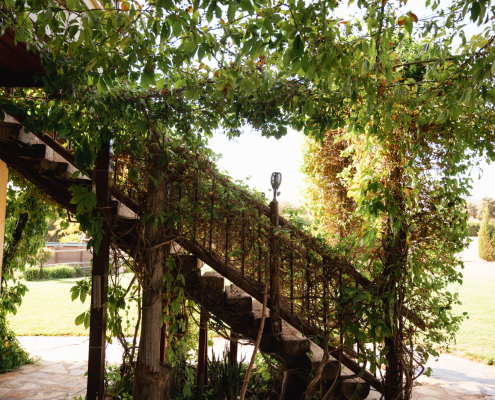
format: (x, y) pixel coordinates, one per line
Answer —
(43, 255)
(225, 380)
(12, 355)
(266, 379)
(119, 381)
(185, 381)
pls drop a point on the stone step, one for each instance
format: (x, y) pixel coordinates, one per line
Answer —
(31, 152)
(9, 132)
(238, 298)
(52, 168)
(213, 286)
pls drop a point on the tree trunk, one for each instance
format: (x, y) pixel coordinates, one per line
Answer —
(11, 247)
(393, 376)
(151, 378)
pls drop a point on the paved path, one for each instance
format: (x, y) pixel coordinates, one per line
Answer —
(60, 375)
(474, 266)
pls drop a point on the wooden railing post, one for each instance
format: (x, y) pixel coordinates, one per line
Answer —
(4, 180)
(275, 321)
(233, 348)
(202, 350)
(101, 259)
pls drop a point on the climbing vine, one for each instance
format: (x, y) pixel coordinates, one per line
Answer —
(156, 77)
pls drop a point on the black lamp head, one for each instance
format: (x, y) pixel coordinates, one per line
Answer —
(276, 180)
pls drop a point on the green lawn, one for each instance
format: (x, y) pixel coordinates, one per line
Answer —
(476, 337)
(47, 310)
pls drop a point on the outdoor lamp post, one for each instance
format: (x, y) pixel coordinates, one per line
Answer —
(276, 181)
(275, 322)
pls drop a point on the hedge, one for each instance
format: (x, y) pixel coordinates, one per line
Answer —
(474, 228)
(54, 272)
(486, 241)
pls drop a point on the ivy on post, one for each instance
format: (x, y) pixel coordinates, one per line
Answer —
(4, 179)
(275, 322)
(101, 259)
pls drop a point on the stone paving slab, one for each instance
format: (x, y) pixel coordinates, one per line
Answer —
(453, 378)
(40, 381)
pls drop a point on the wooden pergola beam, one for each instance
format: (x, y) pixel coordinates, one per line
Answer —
(19, 80)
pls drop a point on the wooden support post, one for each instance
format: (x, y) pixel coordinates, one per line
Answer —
(101, 259)
(293, 387)
(152, 381)
(202, 350)
(4, 180)
(275, 321)
(233, 349)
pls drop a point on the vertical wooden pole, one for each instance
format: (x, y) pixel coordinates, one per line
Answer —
(227, 228)
(291, 277)
(212, 208)
(163, 342)
(203, 349)
(275, 321)
(243, 255)
(233, 349)
(101, 259)
(308, 288)
(4, 180)
(259, 251)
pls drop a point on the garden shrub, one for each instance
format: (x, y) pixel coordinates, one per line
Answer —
(54, 272)
(474, 228)
(486, 242)
(12, 355)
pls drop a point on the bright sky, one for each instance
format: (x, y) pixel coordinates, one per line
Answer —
(257, 157)
(483, 182)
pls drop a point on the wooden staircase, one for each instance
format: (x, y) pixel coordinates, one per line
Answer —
(51, 168)
(243, 315)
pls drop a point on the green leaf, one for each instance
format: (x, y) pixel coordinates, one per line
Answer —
(475, 11)
(388, 125)
(147, 79)
(408, 25)
(90, 200)
(91, 65)
(73, 30)
(102, 86)
(87, 320)
(80, 318)
(298, 46)
(133, 174)
(231, 11)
